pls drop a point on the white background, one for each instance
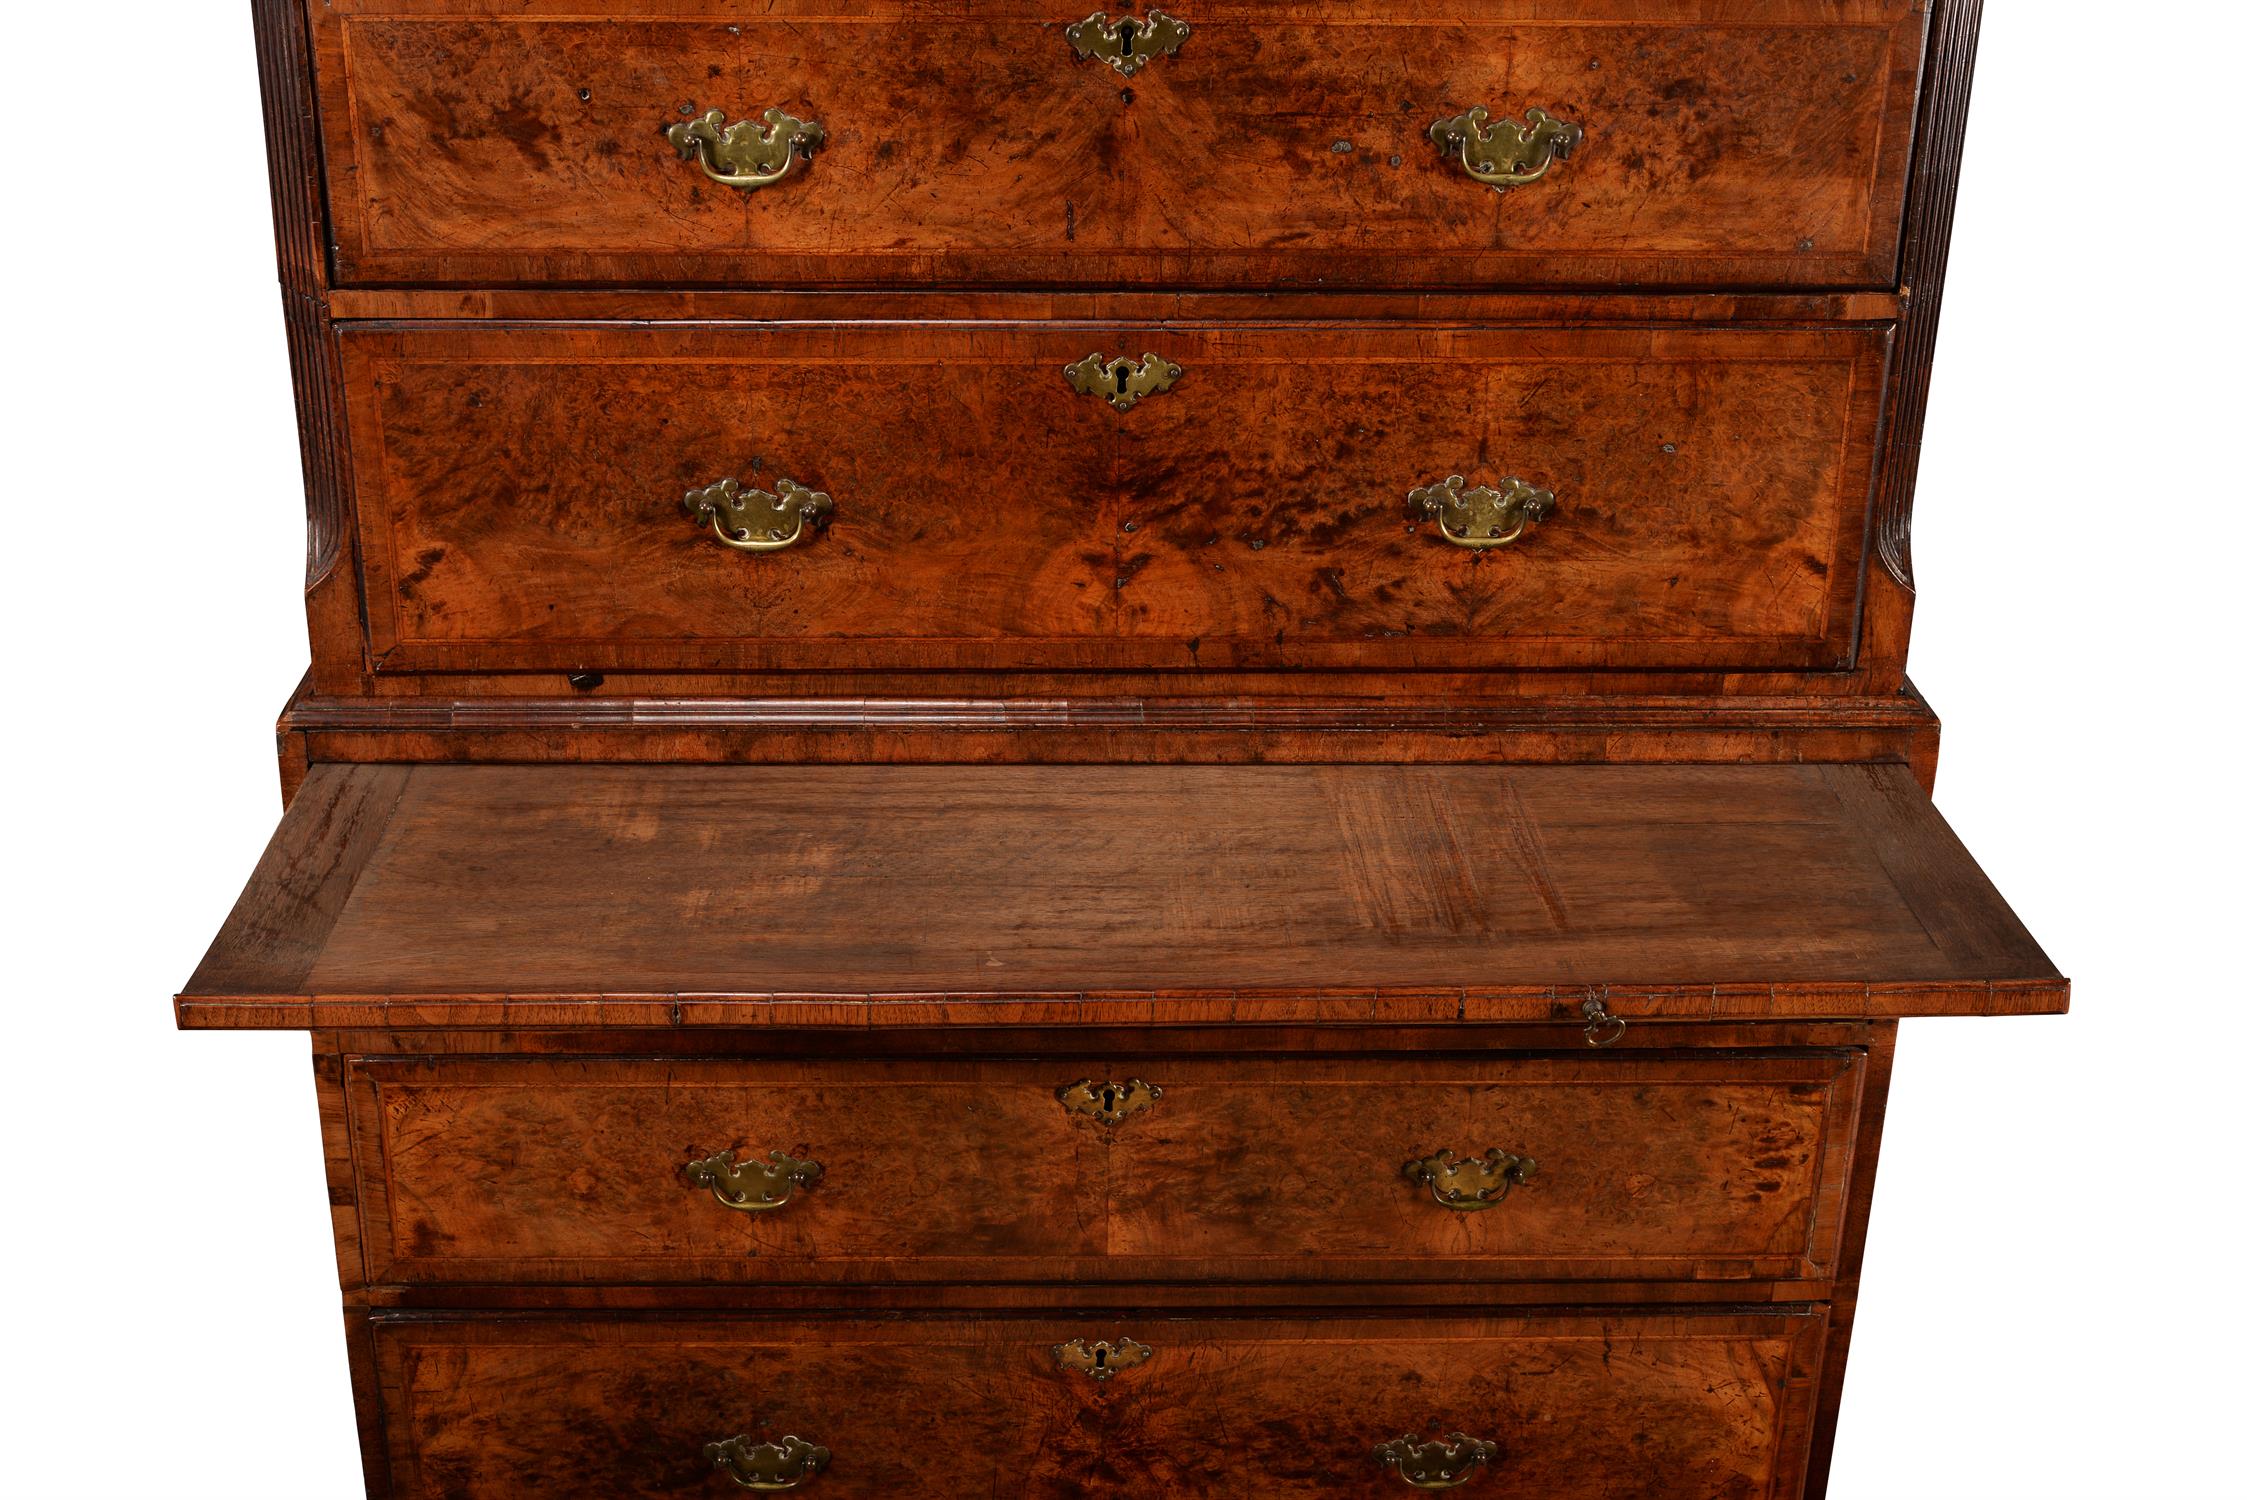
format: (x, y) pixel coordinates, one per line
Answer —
(2051, 1301)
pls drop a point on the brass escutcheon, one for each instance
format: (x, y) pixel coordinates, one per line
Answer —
(1440, 1464)
(1510, 153)
(753, 1186)
(1122, 381)
(1482, 517)
(768, 1466)
(1127, 45)
(1100, 1360)
(744, 154)
(758, 520)
(1108, 1103)
(1471, 1184)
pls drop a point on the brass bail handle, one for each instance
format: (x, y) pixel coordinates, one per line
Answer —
(1471, 1184)
(753, 1186)
(1509, 154)
(1438, 1464)
(747, 155)
(786, 1465)
(750, 520)
(1481, 518)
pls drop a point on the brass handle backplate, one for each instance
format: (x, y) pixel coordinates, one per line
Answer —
(753, 1186)
(1509, 154)
(747, 155)
(1127, 45)
(1474, 1183)
(784, 1465)
(1108, 1103)
(1124, 382)
(1482, 517)
(758, 520)
(1100, 1359)
(1439, 1464)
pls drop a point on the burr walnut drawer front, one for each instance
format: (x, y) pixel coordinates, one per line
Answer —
(1037, 497)
(1230, 143)
(1552, 1407)
(1632, 1168)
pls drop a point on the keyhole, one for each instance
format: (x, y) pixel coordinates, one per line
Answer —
(1100, 1359)
(1127, 31)
(1108, 1098)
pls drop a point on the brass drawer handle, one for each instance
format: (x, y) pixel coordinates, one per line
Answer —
(1127, 45)
(1481, 517)
(1106, 1102)
(1602, 1027)
(1124, 382)
(1471, 1185)
(745, 155)
(758, 520)
(1439, 1464)
(1100, 1360)
(784, 1465)
(1510, 153)
(753, 1186)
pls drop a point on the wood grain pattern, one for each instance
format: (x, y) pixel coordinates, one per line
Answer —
(1422, 830)
(1016, 305)
(1247, 1168)
(721, 895)
(504, 143)
(1472, 728)
(520, 497)
(1667, 1407)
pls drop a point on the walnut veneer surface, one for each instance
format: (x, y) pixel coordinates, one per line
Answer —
(1122, 959)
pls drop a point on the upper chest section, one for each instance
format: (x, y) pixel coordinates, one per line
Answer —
(1219, 143)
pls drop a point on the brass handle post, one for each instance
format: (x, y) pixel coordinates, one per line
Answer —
(747, 155)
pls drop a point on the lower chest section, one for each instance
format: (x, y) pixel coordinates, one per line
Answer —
(1052, 1271)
